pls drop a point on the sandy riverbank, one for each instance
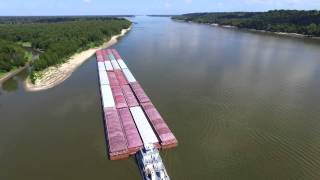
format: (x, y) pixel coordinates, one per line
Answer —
(54, 76)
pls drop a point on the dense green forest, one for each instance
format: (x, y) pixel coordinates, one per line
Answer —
(11, 56)
(57, 37)
(290, 21)
(53, 19)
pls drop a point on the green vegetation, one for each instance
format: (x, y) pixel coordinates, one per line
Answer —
(25, 44)
(289, 21)
(36, 75)
(57, 37)
(28, 55)
(11, 56)
(2, 74)
(53, 19)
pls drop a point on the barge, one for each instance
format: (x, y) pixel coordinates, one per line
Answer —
(133, 126)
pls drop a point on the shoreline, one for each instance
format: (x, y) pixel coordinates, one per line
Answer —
(295, 35)
(55, 75)
(12, 73)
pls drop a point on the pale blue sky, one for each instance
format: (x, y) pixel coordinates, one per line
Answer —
(114, 7)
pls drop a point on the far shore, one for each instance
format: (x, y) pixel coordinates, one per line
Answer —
(296, 35)
(54, 76)
(270, 32)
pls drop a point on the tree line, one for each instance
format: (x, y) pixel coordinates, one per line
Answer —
(53, 19)
(57, 37)
(11, 56)
(289, 21)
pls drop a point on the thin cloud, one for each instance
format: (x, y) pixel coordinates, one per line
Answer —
(167, 5)
(87, 1)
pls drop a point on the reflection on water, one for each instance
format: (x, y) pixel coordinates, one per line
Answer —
(243, 106)
(14, 82)
(10, 85)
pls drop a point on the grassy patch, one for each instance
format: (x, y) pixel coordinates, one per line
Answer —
(36, 75)
(28, 55)
(2, 73)
(25, 44)
(92, 45)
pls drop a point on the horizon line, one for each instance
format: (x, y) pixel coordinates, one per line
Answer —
(156, 14)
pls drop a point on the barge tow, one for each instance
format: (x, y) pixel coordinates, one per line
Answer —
(133, 125)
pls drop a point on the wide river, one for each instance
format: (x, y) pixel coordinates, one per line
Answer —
(243, 105)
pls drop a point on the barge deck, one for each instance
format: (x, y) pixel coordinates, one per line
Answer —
(133, 126)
